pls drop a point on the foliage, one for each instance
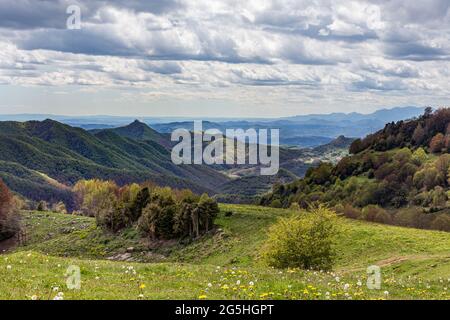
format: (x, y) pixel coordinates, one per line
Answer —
(405, 164)
(304, 240)
(9, 223)
(160, 213)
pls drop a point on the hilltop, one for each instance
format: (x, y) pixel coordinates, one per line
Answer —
(39, 157)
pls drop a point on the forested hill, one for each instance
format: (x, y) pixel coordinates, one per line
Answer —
(38, 159)
(398, 175)
(430, 131)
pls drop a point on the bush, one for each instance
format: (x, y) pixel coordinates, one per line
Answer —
(370, 213)
(276, 204)
(59, 207)
(351, 212)
(441, 222)
(383, 217)
(42, 206)
(304, 240)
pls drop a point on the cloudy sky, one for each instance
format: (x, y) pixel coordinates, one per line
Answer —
(223, 58)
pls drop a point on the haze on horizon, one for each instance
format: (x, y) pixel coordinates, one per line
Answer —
(261, 58)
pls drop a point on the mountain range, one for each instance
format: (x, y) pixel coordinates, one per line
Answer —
(41, 159)
(305, 131)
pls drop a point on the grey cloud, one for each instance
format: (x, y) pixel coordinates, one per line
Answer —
(369, 84)
(32, 14)
(415, 52)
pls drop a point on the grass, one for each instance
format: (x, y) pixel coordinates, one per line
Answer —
(415, 264)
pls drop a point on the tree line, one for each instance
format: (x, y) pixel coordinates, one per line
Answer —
(159, 213)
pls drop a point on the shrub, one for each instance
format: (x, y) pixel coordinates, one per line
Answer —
(304, 240)
(351, 212)
(59, 207)
(383, 217)
(370, 213)
(276, 204)
(42, 206)
(441, 222)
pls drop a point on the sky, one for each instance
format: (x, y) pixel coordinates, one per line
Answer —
(256, 58)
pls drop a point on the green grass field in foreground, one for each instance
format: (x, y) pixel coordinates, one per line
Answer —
(415, 264)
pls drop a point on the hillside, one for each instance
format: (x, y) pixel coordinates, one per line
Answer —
(141, 132)
(404, 169)
(34, 149)
(415, 264)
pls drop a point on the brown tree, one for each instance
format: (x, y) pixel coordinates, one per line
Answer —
(437, 143)
(5, 201)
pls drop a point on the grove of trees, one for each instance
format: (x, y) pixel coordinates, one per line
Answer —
(159, 213)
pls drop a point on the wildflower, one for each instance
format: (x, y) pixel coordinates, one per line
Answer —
(55, 289)
(210, 285)
(337, 279)
(359, 283)
(202, 297)
(141, 296)
(59, 296)
(346, 287)
(34, 297)
(238, 282)
(8, 267)
(386, 293)
(142, 286)
(251, 283)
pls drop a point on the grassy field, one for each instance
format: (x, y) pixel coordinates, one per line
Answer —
(415, 264)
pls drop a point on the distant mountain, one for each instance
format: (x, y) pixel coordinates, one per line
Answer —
(38, 156)
(300, 131)
(383, 115)
(140, 131)
(305, 141)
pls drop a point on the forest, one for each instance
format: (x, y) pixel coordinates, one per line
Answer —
(399, 175)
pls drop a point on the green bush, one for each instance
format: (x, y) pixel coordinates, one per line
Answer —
(276, 204)
(304, 240)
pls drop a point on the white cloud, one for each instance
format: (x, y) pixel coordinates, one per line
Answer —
(284, 53)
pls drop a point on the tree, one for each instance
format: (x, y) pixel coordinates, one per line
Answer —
(437, 143)
(141, 200)
(419, 156)
(207, 210)
(9, 222)
(418, 135)
(5, 200)
(95, 195)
